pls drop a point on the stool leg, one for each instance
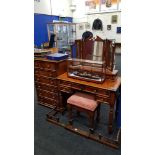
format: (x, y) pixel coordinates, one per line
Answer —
(78, 113)
(98, 113)
(91, 119)
(70, 113)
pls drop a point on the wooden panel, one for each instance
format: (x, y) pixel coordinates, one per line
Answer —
(111, 85)
(44, 72)
(47, 100)
(46, 80)
(46, 87)
(47, 94)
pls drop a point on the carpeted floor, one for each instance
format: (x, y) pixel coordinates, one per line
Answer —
(50, 139)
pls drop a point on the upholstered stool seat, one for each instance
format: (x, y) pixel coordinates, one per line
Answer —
(83, 102)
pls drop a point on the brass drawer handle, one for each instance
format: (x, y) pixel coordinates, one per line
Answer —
(95, 91)
(82, 87)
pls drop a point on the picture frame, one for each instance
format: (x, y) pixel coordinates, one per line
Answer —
(81, 27)
(87, 26)
(118, 30)
(114, 19)
(108, 27)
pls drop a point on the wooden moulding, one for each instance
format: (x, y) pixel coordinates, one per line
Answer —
(114, 143)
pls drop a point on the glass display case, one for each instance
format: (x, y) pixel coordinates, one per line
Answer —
(88, 70)
(65, 34)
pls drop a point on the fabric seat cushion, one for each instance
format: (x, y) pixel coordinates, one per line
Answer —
(83, 100)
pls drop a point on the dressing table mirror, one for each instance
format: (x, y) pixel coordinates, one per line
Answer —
(94, 56)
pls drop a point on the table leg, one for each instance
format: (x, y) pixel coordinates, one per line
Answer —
(111, 113)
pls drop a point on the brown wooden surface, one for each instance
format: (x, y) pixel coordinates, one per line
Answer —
(107, 92)
(45, 59)
(45, 73)
(107, 84)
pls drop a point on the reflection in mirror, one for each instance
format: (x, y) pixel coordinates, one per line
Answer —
(97, 51)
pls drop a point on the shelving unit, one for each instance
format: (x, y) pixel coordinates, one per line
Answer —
(65, 34)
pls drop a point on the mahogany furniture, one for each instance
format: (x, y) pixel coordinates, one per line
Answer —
(106, 93)
(98, 49)
(45, 73)
(84, 102)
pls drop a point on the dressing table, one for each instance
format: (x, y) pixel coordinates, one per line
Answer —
(106, 92)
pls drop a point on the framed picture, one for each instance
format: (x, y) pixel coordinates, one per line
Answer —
(114, 19)
(87, 26)
(81, 27)
(108, 27)
(118, 30)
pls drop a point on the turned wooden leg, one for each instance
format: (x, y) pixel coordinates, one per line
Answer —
(111, 114)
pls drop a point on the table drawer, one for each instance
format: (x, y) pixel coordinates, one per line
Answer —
(103, 93)
(65, 83)
(46, 87)
(78, 86)
(63, 88)
(103, 99)
(44, 72)
(46, 80)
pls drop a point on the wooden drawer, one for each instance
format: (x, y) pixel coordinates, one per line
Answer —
(44, 72)
(103, 93)
(46, 80)
(44, 64)
(47, 65)
(78, 86)
(63, 88)
(99, 92)
(103, 99)
(37, 64)
(46, 87)
(47, 94)
(47, 100)
(65, 83)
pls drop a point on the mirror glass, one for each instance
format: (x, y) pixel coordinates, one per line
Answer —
(97, 54)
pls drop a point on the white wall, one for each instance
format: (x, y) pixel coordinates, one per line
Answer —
(80, 16)
(42, 7)
(61, 8)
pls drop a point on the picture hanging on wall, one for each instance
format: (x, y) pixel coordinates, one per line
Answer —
(118, 30)
(92, 6)
(114, 19)
(81, 27)
(109, 5)
(87, 26)
(108, 27)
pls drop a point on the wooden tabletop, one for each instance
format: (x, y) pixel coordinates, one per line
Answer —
(111, 85)
(45, 59)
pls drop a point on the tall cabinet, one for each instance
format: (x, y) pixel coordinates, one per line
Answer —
(65, 34)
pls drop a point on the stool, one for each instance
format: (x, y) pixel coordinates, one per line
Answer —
(84, 102)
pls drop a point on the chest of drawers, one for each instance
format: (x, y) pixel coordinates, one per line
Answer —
(45, 73)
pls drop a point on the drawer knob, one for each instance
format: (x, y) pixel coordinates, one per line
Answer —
(82, 87)
(95, 90)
